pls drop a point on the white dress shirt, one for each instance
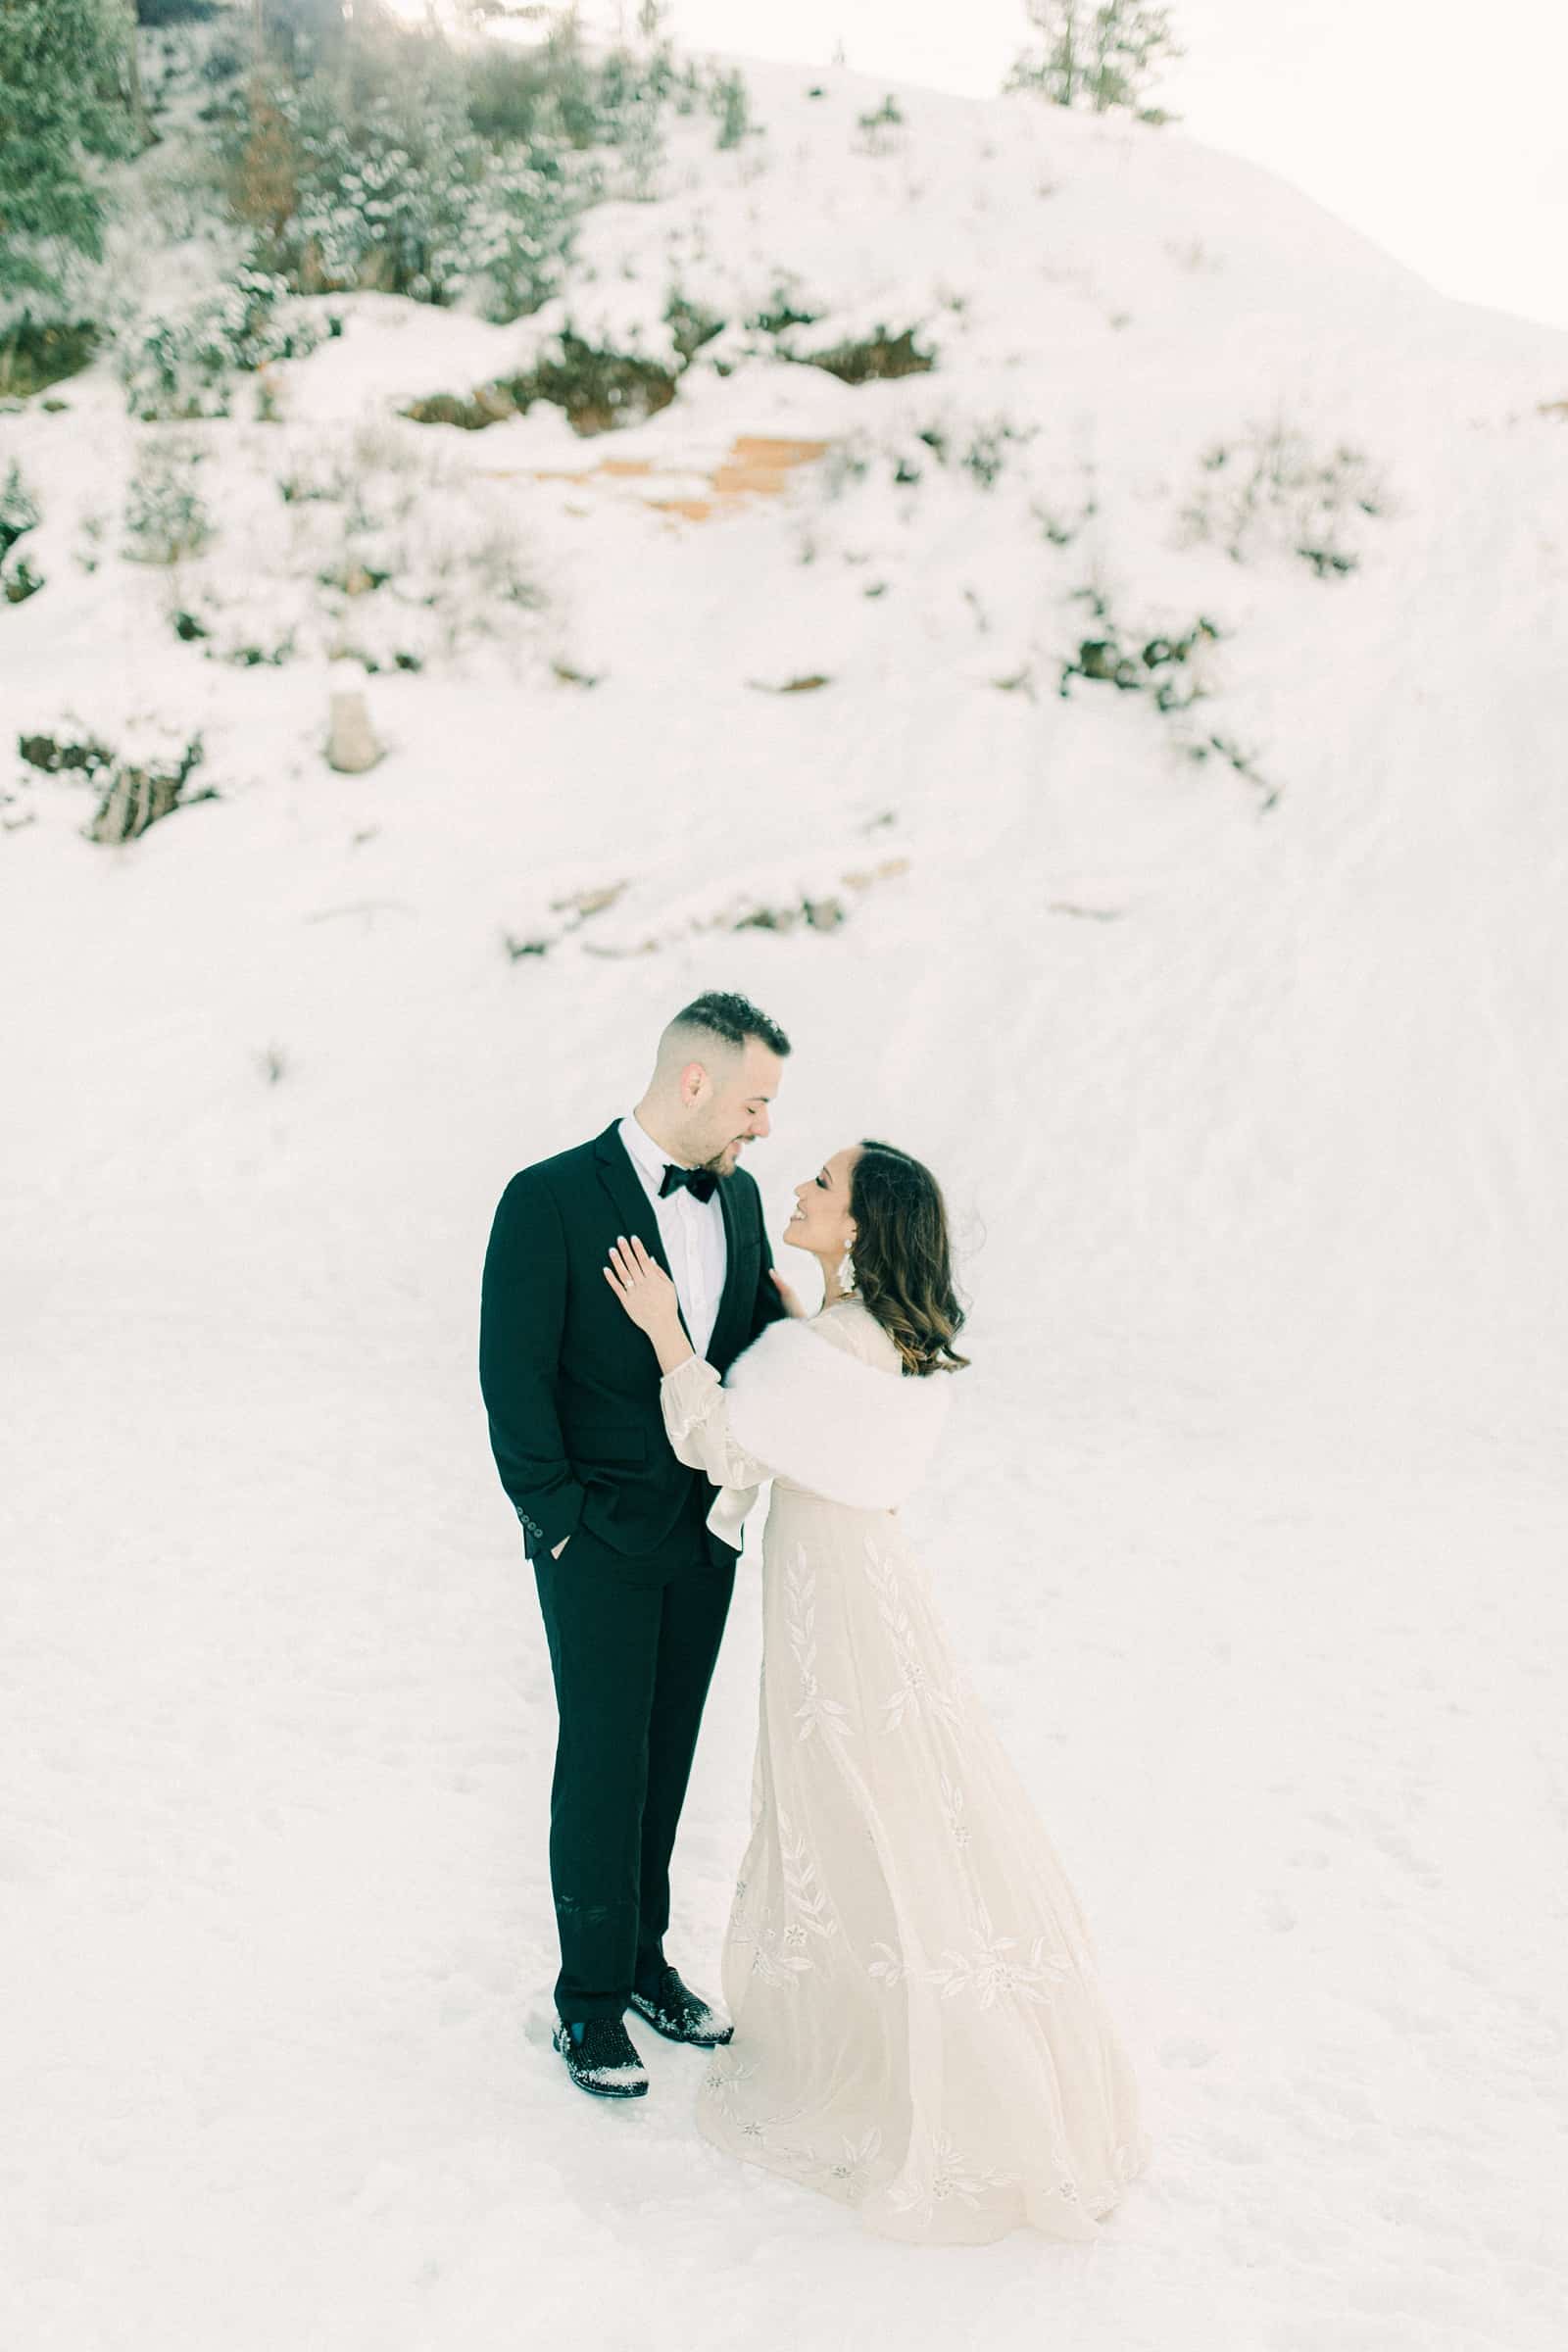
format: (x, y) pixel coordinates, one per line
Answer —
(691, 1230)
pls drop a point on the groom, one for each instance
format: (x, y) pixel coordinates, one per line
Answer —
(633, 1588)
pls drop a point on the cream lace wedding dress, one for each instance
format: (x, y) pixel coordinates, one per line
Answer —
(917, 2027)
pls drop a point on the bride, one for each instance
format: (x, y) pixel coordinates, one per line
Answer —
(917, 2027)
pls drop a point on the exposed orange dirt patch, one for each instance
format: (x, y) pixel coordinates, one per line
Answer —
(755, 466)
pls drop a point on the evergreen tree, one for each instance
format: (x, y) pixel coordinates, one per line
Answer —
(130, 75)
(1096, 53)
(731, 102)
(63, 105)
(306, 34)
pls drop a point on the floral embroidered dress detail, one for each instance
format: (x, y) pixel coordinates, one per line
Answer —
(918, 2030)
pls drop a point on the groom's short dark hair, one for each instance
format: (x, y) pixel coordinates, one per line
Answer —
(733, 1018)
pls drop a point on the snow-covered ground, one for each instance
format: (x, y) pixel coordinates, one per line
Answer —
(1248, 1092)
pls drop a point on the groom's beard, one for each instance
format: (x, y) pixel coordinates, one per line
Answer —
(721, 1165)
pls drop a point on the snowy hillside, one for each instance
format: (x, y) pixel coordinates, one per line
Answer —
(1127, 754)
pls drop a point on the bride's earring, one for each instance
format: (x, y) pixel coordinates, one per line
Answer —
(845, 1277)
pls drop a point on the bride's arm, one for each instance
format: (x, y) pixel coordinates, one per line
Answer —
(695, 1409)
(696, 1413)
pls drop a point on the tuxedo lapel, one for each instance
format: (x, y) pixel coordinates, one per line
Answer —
(633, 1211)
(726, 1203)
(629, 1210)
(740, 1278)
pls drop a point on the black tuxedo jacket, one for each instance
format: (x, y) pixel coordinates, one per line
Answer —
(570, 1384)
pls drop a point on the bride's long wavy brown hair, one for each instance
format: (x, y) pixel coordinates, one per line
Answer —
(904, 1257)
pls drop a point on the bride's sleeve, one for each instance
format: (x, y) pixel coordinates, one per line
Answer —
(697, 1417)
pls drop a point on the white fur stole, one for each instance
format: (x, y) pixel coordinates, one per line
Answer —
(830, 1422)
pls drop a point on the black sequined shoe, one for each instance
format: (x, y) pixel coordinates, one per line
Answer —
(681, 2015)
(603, 2060)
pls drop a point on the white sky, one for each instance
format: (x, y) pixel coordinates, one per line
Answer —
(1436, 126)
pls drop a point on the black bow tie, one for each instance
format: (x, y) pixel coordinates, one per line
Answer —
(701, 1182)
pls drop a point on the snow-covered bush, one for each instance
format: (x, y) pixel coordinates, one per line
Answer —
(19, 581)
(730, 102)
(1272, 492)
(384, 195)
(413, 576)
(165, 520)
(879, 129)
(632, 94)
(19, 514)
(1164, 665)
(525, 225)
(427, 172)
(785, 306)
(37, 350)
(66, 748)
(549, 94)
(1165, 662)
(507, 92)
(811, 914)
(363, 549)
(181, 363)
(179, 194)
(981, 455)
(848, 463)
(866, 359)
(975, 445)
(691, 325)
(598, 388)
(423, 171)
(1059, 523)
(223, 62)
(19, 509)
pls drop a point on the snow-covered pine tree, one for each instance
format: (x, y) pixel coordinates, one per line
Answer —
(300, 31)
(730, 102)
(130, 75)
(63, 106)
(1096, 53)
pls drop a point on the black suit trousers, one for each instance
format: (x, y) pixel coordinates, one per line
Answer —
(633, 1647)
